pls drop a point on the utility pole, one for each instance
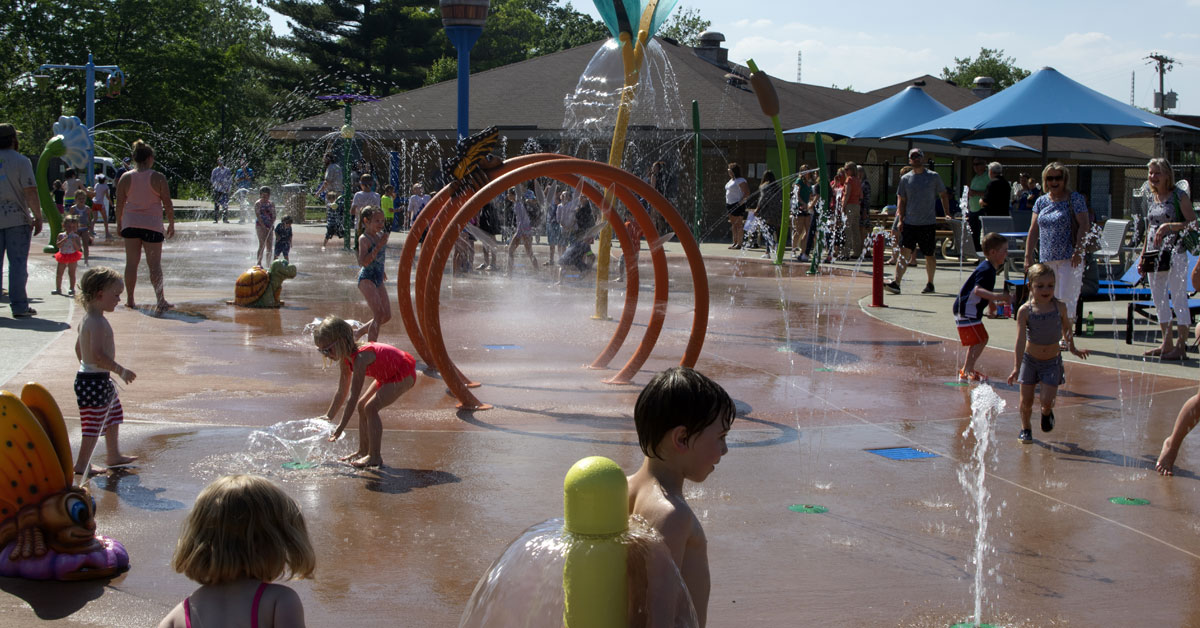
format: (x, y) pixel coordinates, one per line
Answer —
(799, 59)
(1165, 64)
(1132, 83)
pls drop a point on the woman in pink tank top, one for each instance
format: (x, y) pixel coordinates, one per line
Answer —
(142, 197)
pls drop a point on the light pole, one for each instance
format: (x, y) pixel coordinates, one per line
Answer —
(347, 133)
(89, 101)
(463, 20)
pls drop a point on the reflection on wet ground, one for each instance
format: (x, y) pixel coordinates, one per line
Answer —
(817, 382)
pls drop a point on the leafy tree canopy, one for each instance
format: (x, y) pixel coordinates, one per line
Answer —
(381, 45)
(684, 26)
(991, 62)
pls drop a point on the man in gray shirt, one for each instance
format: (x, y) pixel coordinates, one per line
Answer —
(20, 218)
(916, 218)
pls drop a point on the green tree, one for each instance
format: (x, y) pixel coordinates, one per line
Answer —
(517, 30)
(991, 62)
(685, 26)
(380, 45)
(204, 77)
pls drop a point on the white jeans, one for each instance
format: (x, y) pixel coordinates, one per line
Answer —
(1067, 282)
(1174, 281)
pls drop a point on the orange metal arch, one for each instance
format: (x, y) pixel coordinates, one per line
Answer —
(424, 220)
(428, 315)
(429, 275)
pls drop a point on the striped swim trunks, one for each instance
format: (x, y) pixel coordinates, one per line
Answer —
(99, 406)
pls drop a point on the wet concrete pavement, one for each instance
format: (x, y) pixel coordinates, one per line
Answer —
(818, 380)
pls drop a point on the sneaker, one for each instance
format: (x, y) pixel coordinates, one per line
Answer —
(1048, 421)
(928, 289)
(892, 287)
(26, 314)
(1026, 436)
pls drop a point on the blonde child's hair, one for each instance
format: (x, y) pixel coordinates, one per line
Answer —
(71, 218)
(94, 281)
(366, 215)
(244, 526)
(1035, 272)
(335, 330)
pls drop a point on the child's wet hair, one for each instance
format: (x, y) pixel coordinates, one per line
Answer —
(244, 526)
(679, 396)
(286, 219)
(366, 216)
(264, 190)
(94, 281)
(71, 218)
(335, 330)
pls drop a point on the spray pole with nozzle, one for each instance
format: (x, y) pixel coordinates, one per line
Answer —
(768, 101)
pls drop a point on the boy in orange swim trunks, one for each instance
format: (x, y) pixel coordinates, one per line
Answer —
(971, 303)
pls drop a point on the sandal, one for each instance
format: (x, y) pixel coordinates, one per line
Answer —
(974, 376)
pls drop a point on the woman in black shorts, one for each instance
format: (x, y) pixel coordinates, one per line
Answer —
(737, 191)
(142, 197)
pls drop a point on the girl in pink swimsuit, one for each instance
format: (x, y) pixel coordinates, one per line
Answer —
(243, 533)
(393, 370)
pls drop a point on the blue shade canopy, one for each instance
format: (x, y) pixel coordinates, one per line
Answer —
(1045, 103)
(626, 15)
(901, 111)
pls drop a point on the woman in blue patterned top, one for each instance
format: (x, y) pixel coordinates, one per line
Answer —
(1060, 220)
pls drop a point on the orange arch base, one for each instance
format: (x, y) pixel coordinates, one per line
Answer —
(446, 215)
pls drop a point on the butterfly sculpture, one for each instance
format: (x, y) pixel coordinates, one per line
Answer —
(47, 526)
(473, 156)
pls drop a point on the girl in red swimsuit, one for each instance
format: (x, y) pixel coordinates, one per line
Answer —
(393, 370)
(243, 533)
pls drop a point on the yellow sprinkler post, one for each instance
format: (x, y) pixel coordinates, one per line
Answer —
(632, 51)
(596, 505)
(768, 101)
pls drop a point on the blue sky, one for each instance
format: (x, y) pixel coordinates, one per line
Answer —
(871, 44)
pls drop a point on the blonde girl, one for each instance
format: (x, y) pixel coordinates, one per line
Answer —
(242, 534)
(1041, 322)
(70, 251)
(394, 372)
(372, 249)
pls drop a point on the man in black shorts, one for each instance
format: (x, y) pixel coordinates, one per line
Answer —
(916, 218)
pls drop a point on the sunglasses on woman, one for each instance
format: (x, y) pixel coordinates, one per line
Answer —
(1054, 177)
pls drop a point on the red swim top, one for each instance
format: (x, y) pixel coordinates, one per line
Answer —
(390, 365)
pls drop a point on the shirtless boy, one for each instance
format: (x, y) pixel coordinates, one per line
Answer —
(682, 418)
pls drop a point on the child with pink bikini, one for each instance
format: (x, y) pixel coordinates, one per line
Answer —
(394, 372)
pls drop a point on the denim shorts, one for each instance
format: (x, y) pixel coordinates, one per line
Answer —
(1048, 372)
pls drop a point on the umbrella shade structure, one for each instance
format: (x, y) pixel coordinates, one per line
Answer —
(1045, 103)
(907, 108)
